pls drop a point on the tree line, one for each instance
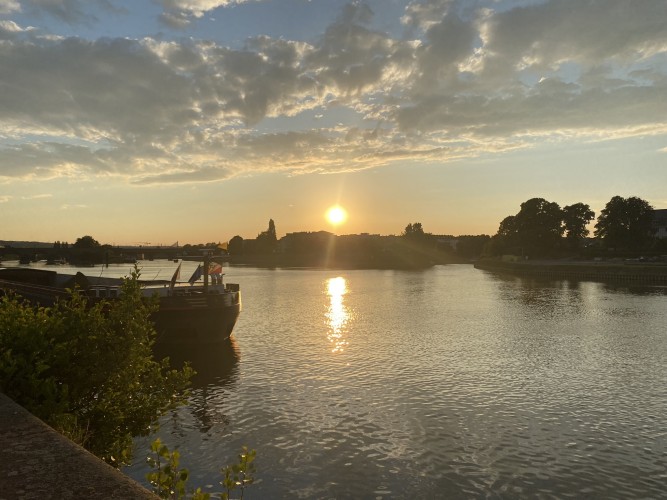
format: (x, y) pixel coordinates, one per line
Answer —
(542, 228)
(414, 247)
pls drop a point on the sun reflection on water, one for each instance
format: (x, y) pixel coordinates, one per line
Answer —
(337, 315)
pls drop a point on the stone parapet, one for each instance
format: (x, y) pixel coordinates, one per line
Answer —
(36, 462)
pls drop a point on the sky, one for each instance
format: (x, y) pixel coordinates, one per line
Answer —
(151, 122)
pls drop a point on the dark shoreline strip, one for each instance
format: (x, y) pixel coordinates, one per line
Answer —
(580, 271)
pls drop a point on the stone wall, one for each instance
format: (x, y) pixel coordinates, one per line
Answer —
(36, 462)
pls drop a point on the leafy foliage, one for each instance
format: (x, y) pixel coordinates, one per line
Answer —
(575, 219)
(538, 225)
(86, 242)
(414, 231)
(88, 370)
(471, 246)
(239, 475)
(169, 481)
(235, 245)
(626, 223)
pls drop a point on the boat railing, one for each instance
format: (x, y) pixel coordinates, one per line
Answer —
(36, 290)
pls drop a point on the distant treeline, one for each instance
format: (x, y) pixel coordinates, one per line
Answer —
(626, 226)
(414, 248)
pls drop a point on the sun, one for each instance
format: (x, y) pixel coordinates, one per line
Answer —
(336, 215)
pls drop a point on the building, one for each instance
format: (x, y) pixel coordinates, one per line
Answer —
(660, 223)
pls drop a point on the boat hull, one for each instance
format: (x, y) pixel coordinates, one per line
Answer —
(208, 318)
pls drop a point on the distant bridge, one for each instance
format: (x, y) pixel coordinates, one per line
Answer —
(99, 255)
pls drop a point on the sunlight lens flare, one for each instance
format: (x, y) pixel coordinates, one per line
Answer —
(336, 215)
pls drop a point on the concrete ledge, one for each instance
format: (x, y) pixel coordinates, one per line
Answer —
(36, 462)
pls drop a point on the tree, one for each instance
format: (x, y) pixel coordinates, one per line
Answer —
(235, 246)
(88, 371)
(505, 240)
(575, 219)
(86, 242)
(471, 246)
(626, 223)
(508, 227)
(414, 231)
(536, 229)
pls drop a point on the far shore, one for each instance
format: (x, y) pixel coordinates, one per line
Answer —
(610, 270)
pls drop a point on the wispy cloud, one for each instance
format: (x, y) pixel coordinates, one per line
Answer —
(180, 13)
(37, 197)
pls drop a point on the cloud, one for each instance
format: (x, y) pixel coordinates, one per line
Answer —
(9, 6)
(464, 80)
(194, 175)
(37, 197)
(180, 13)
(5, 198)
(554, 32)
(476, 67)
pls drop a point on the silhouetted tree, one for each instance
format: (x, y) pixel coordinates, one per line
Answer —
(536, 229)
(235, 246)
(539, 223)
(471, 246)
(508, 228)
(86, 242)
(413, 230)
(626, 223)
(575, 219)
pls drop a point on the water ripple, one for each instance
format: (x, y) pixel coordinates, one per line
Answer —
(448, 383)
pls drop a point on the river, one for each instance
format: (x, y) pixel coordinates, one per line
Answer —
(444, 383)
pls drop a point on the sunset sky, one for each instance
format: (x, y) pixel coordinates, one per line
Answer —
(196, 120)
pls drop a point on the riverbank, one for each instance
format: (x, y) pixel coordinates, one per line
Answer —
(626, 271)
(39, 463)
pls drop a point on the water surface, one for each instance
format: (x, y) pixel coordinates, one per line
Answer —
(445, 383)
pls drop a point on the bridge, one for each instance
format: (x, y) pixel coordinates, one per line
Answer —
(98, 255)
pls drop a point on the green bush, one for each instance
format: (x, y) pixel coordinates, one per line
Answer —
(89, 371)
(169, 482)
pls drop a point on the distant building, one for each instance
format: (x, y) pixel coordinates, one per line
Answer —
(660, 223)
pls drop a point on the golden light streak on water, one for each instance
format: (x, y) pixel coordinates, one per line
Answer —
(337, 314)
